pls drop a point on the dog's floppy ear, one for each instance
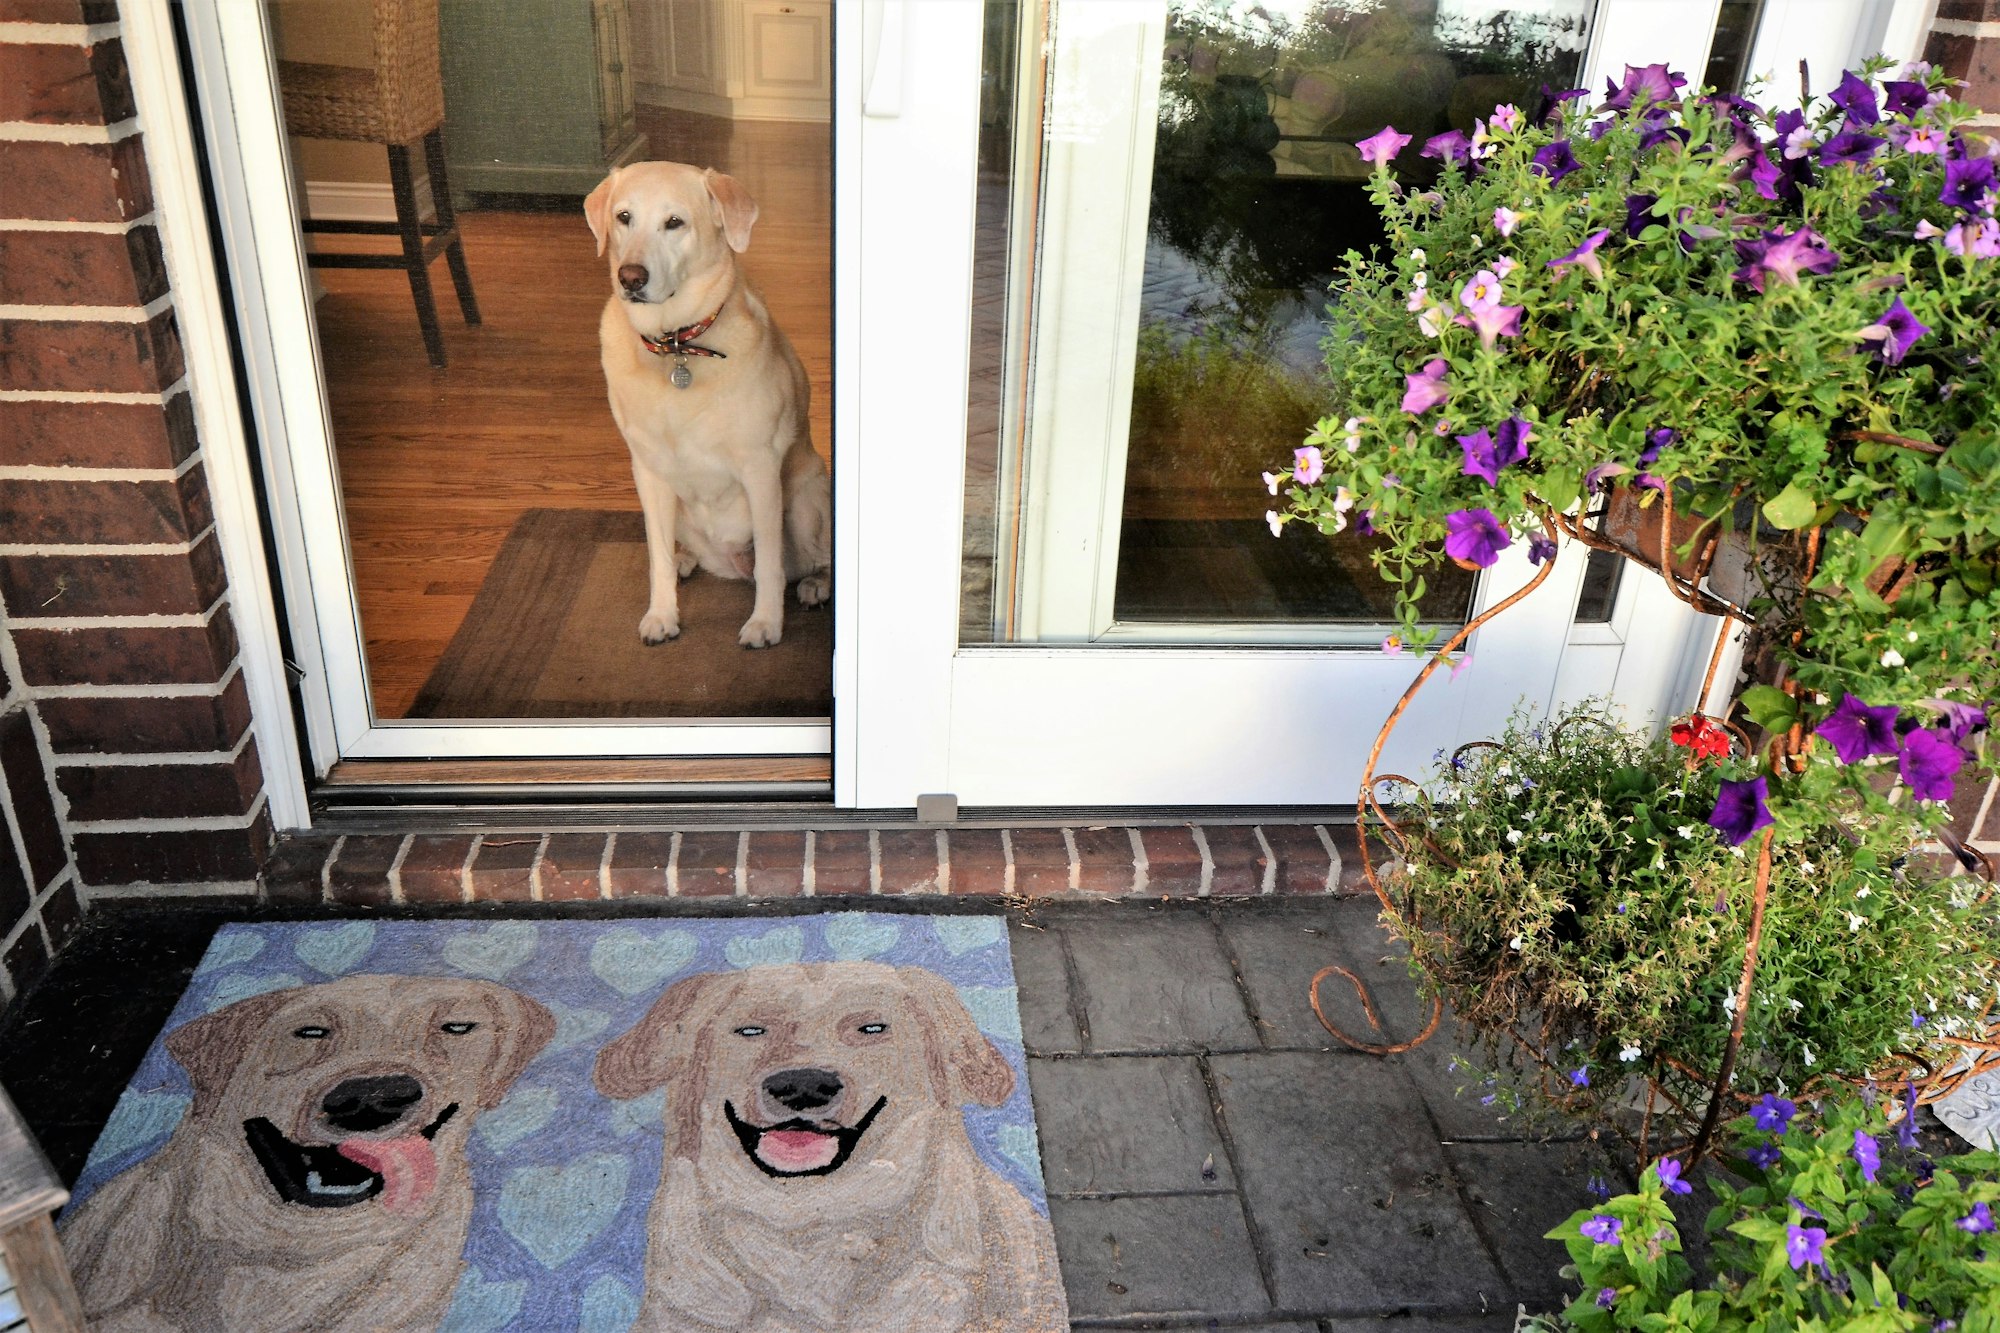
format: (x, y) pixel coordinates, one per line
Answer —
(734, 208)
(597, 210)
(663, 1045)
(526, 1025)
(964, 1065)
(211, 1046)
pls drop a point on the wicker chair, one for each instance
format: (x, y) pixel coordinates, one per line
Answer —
(396, 103)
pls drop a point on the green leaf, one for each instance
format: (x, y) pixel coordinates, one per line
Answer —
(1770, 707)
(1790, 509)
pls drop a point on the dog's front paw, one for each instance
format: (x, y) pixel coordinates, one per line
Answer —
(656, 628)
(761, 633)
(815, 588)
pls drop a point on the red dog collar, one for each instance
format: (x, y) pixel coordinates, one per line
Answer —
(680, 342)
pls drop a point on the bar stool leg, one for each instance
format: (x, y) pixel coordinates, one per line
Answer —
(447, 220)
(41, 1277)
(410, 226)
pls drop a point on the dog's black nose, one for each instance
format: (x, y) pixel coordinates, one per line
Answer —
(803, 1089)
(363, 1104)
(632, 276)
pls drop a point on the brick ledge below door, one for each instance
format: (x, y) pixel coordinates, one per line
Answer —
(1178, 861)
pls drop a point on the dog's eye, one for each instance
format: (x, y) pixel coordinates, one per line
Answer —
(672, 224)
(458, 1029)
(750, 1031)
(624, 217)
(873, 1028)
(312, 1032)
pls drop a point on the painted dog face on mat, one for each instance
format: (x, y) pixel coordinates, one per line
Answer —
(351, 1092)
(792, 1069)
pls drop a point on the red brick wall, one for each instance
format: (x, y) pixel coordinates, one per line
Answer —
(124, 726)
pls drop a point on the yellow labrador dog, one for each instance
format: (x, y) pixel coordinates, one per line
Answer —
(319, 1178)
(817, 1177)
(710, 397)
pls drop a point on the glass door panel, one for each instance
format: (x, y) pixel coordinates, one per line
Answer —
(1160, 234)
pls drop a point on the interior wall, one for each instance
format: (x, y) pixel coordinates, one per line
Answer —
(329, 32)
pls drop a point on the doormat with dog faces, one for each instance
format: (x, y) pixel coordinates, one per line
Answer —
(814, 1122)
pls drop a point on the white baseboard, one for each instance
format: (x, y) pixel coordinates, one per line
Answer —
(360, 201)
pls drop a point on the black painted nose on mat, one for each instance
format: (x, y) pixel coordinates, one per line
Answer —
(803, 1090)
(364, 1104)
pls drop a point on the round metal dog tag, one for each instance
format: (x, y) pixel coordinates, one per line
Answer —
(681, 376)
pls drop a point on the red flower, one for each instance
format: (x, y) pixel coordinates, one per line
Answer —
(1707, 739)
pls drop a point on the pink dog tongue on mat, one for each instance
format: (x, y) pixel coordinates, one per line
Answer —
(797, 1149)
(407, 1166)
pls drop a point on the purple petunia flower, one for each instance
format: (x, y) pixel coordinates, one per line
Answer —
(1968, 181)
(1780, 179)
(1979, 1221)
(1451, 146)
(1850, 147)
(1960, 720)
(1981, 239)
(1639, 213)
(1669, 1172)
(1867, 1154)
(1541, 549)
(1857, 731)
(1906, 1128)
(1740, 810)
(1364, 523)
(1475, 536)
(1603, 1228)
(1856, 98)
(1929, 763)
(1899, 332)
(1805, 1245)
(1784, 256)
(1510, 442)
(1656, 441)
(1307, 465)
(1479, 459)
(1554, 160)
(1482, 292)
(1923, 140)
(1426, 389)
(1764, 1156)
(1643, 84)
(1585, 255)
(1551, 103)
(1904, 97)
(1381, 147)
(1493, 322)
(1596, 478)
(1607, 1297)
(1774, 1113)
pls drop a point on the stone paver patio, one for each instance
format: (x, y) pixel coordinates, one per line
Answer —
(1214, 1160)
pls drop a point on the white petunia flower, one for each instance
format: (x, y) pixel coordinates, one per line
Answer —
(1891, 658)
(1729, 1002)
(1628, 1053)
(1514, 836)
(1516, 943)
(1855, 921)
(1863, 891)
(1685, 831)
(1277, 524)
(1806, 1052)
(1793, 1005)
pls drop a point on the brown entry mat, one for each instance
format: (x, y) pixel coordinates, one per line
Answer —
(554, 633)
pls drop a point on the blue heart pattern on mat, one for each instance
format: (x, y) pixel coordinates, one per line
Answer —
(632, 962)
(479, 1306)
(641, 1113)
(519, 1114)
(334, 950)
(229, 948)
(996, 1009)
(242, 985)
(139, 1118)
(609, 1306)
(786, 944)
(962, 934)
(853, 936)
(554, 1211)
(493, 952)
(574, 1026)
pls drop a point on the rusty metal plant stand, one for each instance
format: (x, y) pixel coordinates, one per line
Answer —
(1787, 749)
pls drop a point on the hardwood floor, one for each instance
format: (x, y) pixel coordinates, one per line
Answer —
(436, 466)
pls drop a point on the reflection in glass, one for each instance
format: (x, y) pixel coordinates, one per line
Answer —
(1256, 192)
